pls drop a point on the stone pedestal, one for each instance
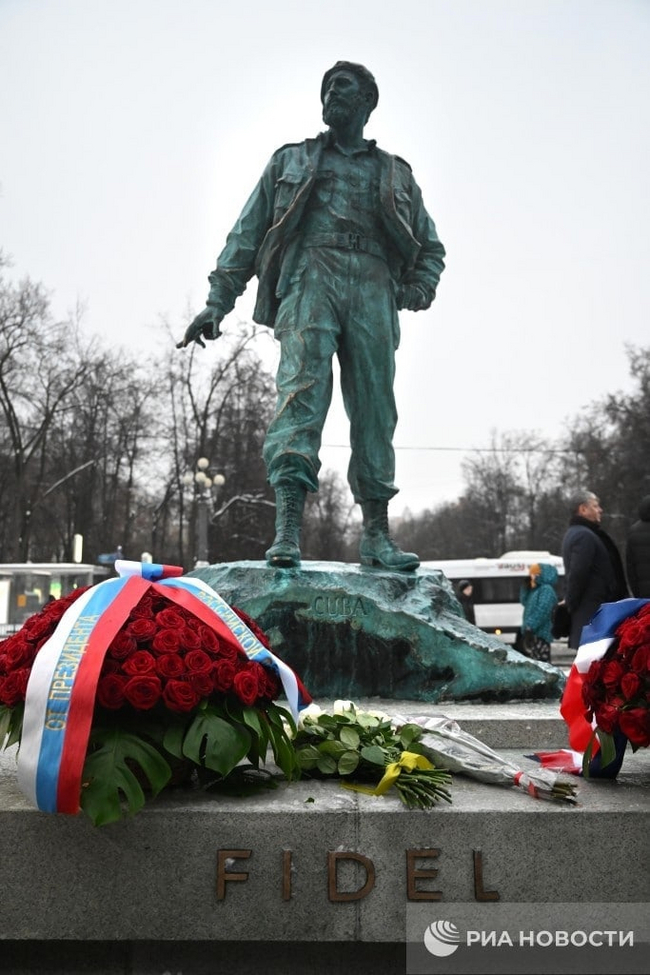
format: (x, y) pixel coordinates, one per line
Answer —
(350, 632)
(312, 877)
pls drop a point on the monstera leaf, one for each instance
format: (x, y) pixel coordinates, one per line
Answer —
(116, 764)
(213, 741)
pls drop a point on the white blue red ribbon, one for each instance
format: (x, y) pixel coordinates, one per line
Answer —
(60, 696)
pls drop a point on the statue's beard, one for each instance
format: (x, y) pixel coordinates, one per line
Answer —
(337, 113)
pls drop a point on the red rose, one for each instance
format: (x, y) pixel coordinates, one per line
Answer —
(641, 660)
(140, 662)
(143, 692)
(635, 724)
(170, 665)
(110, 691)
(246, 686)
(630, 685)
(17, 652)
(198, 662)
(38, 626)
(110, 666)
(606, 717)
(190, 639)
(166, 641)
(142, 629)
(143, 610)
(611, 674)
(14, 687)
(180, 696)
(122, 645)
(169, 619)
(272, 685)
(209, 639)
(229, 651)
(202, 683)
(631, 633)
(223, 674)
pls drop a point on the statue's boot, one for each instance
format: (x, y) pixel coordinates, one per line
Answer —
(289, 505)
(377, 547)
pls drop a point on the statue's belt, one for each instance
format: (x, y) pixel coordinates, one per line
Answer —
(348, 242)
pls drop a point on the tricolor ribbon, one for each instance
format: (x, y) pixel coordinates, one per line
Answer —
(60, 698)
(595, 639)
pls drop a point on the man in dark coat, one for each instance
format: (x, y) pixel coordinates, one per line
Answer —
(339, 238)
(592, 564)
(637, 553)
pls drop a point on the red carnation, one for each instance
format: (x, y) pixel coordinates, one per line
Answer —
(178, 695)
(143, 692)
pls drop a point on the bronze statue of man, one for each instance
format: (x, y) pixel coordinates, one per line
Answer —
(339, 239)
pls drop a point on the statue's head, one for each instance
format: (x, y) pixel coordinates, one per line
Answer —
(366, 92)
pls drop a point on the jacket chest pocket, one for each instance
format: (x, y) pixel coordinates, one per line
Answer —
(286, 189)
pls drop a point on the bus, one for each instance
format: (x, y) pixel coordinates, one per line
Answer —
(496, 584)
(25, 587)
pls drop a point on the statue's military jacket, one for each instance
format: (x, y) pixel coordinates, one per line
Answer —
(266, 237)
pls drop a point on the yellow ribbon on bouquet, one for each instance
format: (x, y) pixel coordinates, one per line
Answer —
(407, 763)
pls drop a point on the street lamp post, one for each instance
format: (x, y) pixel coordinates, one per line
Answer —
(204, 486)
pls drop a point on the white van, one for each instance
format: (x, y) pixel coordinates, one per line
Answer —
(496, 584)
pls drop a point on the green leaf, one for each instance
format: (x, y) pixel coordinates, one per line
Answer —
(332, 747)
(14, 725)
(408, 734)
(172, 740)
(348, 762)
(607, 748)
(350, 737)
(5, 723)
(374, 754)
(307, 756)
(108, 775)
(283, 751)
(216, 743)
(326, 765)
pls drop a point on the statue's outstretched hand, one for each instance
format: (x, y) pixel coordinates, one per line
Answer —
(205, 326)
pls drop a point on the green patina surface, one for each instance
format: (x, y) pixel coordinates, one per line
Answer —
(353, 632)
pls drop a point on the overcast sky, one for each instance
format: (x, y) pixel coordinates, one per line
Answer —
(132, 132)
